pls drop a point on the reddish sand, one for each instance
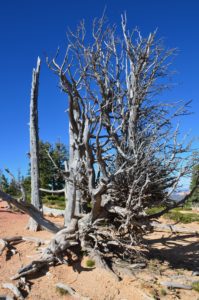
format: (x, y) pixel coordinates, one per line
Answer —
(171, 255)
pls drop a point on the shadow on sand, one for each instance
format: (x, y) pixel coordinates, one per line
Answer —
(180, 251)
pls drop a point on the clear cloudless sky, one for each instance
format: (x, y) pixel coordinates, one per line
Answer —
(29, 28)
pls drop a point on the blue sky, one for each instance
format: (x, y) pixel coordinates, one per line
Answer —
(31, 28)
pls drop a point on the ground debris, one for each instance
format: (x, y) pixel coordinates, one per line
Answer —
(14, 290)
(70, 290)
(176, 285)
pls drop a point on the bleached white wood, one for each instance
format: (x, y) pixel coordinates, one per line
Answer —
(34, 145)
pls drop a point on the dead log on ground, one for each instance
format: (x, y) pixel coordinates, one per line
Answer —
(31, 211)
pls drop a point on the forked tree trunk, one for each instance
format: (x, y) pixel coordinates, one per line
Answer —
(34, 146)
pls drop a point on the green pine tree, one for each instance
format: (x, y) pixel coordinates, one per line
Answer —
(4, 184)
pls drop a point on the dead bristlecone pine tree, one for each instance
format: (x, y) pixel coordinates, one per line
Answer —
(125, 156)
(34, 146)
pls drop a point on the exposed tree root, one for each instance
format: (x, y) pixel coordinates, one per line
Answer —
(107, 245)
(102, 246)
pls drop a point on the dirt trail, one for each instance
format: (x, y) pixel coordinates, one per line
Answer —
(171, 255)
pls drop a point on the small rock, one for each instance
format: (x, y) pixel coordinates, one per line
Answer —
(195, 273)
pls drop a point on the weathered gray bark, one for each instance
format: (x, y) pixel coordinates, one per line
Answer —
(34, 146)
(73, 192)
(120, 149)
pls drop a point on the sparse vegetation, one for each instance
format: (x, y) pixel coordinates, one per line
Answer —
(194, 199)
(163, 292)
(54, 201)
(61, 291)
(182, 217)
(176, 214)
(154, 210)
(90, 263)
(195, 286)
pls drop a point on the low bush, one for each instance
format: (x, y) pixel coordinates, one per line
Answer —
(90, 263)
(54, 201)
(182, 217)
(61, 291)
(195, 286)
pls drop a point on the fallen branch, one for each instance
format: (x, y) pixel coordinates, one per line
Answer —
(31, 211)
(14, 289)
(32, 268)
(62, 191)
(176, 285)
(35, 240)
(7, 297)
(9, 242)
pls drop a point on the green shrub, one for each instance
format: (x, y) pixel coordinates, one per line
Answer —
(175, 214)
(54, 201)
(195, 286)
(163, 292)
(61, 291)
(154, 210)
(181, 217)
(90, 263)
(89, 205)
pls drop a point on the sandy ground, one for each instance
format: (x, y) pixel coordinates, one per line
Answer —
(172, 258)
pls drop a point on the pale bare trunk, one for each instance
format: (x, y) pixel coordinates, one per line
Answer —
(34, 146)
(71, 193)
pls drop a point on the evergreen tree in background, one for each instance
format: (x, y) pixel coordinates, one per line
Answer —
(7, 186)
(50, 178)
(195, 197)
(4, 184)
